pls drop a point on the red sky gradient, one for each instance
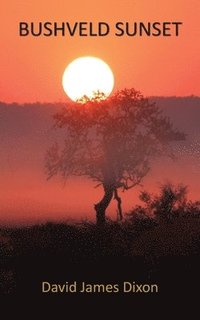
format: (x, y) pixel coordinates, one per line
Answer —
(31, 70)
(31, 67)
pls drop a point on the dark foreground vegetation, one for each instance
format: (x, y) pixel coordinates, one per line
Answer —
(150, 245)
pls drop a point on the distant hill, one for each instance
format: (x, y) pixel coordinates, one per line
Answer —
(184, 111)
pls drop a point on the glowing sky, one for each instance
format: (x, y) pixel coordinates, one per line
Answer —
(32, 68)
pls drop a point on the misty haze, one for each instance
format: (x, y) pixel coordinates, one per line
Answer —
(27, 131)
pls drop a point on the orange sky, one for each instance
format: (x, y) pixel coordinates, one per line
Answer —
(31, 68)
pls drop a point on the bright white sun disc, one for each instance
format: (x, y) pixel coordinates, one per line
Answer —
(85, 76)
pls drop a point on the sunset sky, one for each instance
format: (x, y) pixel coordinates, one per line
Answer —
(31, 71)
(32, 67)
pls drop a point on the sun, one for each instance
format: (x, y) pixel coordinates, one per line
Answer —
(86, 76)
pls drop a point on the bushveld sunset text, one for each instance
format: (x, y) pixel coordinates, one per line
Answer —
(100, 29)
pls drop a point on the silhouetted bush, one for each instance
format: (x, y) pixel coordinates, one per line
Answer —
(169, 204)
(140, 220)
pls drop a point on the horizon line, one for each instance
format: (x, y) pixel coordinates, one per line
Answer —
(69, 101)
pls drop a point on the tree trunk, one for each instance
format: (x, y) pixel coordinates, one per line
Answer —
(101, 206)
(119, 205)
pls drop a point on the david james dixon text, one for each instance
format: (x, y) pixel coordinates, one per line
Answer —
(100, 29)
(84, 287)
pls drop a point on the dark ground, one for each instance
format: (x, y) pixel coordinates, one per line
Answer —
(166, 254)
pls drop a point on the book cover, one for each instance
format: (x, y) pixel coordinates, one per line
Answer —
(100, 150)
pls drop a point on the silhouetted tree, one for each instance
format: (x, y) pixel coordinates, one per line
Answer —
(112, 142)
